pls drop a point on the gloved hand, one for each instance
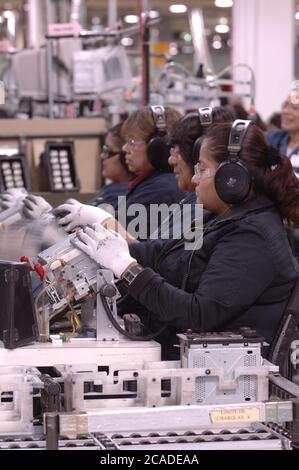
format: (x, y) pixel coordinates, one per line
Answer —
(12, 197)
(76, 214)
(35, 207)
(105, 247)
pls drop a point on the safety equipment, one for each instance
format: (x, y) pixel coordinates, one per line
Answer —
(206, 119)
(73, 214)
(35, 207)
(107, 248)
(232, 179)
(158, 149)
(12, 197)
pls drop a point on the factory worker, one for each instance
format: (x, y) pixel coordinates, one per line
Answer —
(146, 133)
(242, 272)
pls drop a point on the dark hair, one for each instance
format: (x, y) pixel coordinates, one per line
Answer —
(275, 120)
(116, 134)
(279, 182)
(241, 113)
(188, 129)
(143, 121)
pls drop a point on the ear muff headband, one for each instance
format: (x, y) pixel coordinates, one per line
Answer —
(206, 119)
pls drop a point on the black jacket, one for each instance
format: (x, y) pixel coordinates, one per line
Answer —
(242, 276)
(174, 225)
(157, 188)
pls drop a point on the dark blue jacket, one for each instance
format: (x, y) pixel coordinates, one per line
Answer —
(109, 194)
(279, 139)
(242, 276)
(156, 189)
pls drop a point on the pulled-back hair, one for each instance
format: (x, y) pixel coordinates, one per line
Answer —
(278, 182)
(188, 129)
(142, 121)
(116, 134)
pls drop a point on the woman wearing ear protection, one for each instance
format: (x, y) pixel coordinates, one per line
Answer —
(147, 149)
(114, 168)
(146, 133)
(243, 272)
(185, 140)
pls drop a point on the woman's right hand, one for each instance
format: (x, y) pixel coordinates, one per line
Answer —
(12, 197)
(73, 214)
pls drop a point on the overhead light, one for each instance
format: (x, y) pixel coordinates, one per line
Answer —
(126, 42)
(224, 3)
(178, 8)
(222, 29)
(131, 19)
(187, 37)
(297, 15)
(217, 45)
(153, 14)
(8, 14)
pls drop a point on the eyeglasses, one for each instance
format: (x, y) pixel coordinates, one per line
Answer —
(203, 172)
(132, 143)
(108, 153)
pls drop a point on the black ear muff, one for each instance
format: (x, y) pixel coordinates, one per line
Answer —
(232, 179)
(232, 182)
(122, 158)
(158, 149)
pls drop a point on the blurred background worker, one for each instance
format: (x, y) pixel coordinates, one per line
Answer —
(286, 140)
(114, 169)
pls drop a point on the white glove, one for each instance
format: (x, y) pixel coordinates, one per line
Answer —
(77, 214)
(35, 207)
(12, 197)
(105, 247)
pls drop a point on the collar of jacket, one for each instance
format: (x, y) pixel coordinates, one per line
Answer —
(139, 179)
(257, 204)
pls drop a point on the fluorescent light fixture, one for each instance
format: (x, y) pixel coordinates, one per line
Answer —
(131, 19)
(178, 8)
(222, 29)
(217, 45)
(126, 42)
(153, 14)
(297, 15)
(8, 14)
(224, 3)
